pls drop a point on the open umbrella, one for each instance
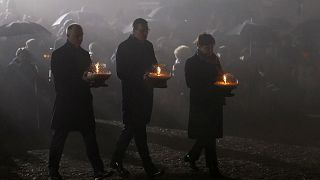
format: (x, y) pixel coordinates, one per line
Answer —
(253, 32)
(308, 28)
(277, 24)
(22, 28)
(79, 16)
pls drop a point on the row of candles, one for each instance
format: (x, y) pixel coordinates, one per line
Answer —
(159, 72)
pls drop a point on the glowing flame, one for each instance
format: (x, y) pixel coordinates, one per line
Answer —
(158, 70)
(225, 79)
(46, 56)
(97, 66)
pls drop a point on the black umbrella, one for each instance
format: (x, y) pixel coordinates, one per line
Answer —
(253, 31)
(22, 28)
(277, 24)
(308, 28)
(79, 16)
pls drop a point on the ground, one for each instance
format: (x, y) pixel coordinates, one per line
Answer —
(239, 158)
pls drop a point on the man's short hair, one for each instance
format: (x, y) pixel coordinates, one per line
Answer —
(206, 39)
(138, 21)
(73, 25)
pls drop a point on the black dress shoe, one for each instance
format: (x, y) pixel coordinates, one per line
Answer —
(191, 162)
(102, 174)
(215, 173)
(55, 176)
(122, 172)
(155, 173)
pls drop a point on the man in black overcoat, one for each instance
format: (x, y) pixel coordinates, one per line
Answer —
(134, 58)
(206, 101)
(73, 110)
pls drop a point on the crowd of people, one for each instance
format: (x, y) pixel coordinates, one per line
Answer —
(277, 66)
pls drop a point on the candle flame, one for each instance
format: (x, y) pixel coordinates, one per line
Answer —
(225, 79)
(158, 70)
(97, 67)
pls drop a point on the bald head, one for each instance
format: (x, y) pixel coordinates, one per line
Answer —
(75, 34)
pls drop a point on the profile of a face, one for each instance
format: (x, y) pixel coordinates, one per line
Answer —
(206, 50)
(75, 35)
(141, 32)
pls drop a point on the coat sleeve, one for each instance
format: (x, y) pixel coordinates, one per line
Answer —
(66, 78)
(125, 65)
(195, 78)
(154, 59)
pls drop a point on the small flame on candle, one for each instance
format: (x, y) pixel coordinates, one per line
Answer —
(158, 70)
(225, 79)
(97, 67)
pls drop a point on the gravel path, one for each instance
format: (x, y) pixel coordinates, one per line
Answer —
(239, 158)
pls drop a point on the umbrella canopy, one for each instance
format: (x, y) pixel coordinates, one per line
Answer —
(22, 28)
(252, 31)
(79, 16)
(308, 28)
(277, 24)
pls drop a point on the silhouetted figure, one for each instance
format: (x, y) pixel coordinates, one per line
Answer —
(135, 57)
(73, 109)
(206, 101)
(22, 89)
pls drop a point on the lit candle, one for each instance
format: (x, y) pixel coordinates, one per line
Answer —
(158, 70)
(159, 73)
(227, 80)
(97, 68)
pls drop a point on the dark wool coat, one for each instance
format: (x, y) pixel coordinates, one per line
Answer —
(73, 108)
(135, 58)
(206, 100)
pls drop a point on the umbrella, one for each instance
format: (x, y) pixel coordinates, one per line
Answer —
(253, 32)
(79, 16)
(277, 24)
(22, 28)
(308, 28)
(154, 12)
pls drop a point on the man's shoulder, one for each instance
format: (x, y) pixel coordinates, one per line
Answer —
(59, 50)
(149, 43)
(192, 58)
(84, 51)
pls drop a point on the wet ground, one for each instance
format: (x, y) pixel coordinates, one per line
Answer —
(239, 158)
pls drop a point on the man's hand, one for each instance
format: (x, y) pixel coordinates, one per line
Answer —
(98, 84)
(86, 76)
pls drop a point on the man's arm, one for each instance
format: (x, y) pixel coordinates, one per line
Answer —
(66, 78)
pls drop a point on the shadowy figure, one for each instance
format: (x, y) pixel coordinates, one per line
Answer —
(22, 88)
(206, 101)
(73, 109)
(135, 57)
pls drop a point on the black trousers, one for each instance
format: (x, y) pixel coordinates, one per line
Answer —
(209, 145)
(138, 132)
(57, 145)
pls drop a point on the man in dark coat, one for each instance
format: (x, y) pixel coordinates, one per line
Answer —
(73, 109)
(135, 57)
(206, 101)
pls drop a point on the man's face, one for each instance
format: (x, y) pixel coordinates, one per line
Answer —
(206, 50)
(75, 36)
(141, 32)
